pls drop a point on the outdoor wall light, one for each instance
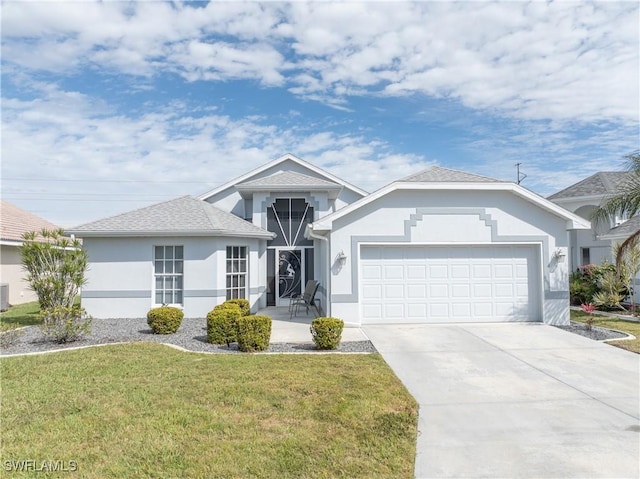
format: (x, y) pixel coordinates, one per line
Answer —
(341, 258)
(560, 255)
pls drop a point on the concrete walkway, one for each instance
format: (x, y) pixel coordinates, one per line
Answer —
(517, 400)
(296, 330)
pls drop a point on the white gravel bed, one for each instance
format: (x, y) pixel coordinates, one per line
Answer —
(191, 336)
(596, 333)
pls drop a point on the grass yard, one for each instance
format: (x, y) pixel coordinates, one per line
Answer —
(20, 315)
(613, 323)
(146, 410)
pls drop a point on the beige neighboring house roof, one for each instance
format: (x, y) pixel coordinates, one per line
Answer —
(14, 222)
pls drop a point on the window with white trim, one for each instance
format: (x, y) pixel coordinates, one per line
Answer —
(236, 272)
(168, 264)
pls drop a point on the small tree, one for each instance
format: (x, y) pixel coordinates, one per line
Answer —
(629, 266)
(55, 267)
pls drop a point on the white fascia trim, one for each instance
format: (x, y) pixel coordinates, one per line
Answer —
(275, 162)
(612, 237)
(573, 221)
(144, 234)
(290, 188)
(10, 243)
(570, 199)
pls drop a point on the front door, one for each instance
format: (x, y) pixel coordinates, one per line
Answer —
(289, 275)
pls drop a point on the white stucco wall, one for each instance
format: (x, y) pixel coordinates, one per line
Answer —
(11, 272)
(120, 282)
(451, 217)
(599, 250)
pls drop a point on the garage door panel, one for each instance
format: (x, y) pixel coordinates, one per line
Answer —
(438, 271)
(461, 291)
(522, 290)
(438, 310)
(504, 309)
(417, 291)
(503, 271)
(461, 310)
(394, 291)
(393, 272)
(416, 311)
(416, 272)
(371, 272)
(456, 283)
(460, 271)
(482, 291)
(503, 290)
(482, 310)
(438, 291)
(481, 271)
(394, 310)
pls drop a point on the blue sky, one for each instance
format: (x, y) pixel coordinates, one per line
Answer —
(111, 106)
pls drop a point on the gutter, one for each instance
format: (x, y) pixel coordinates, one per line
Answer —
(309, 233)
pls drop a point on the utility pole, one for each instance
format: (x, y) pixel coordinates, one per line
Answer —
(520, 176)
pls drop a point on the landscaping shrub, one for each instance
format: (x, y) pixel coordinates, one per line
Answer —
(253, 333)
(588, 280)
(165, 319)
(327, 332)
(55, 267)
(245, 308)
(221, 323)
(65, 324)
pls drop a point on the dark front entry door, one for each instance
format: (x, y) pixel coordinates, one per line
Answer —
(289, 278)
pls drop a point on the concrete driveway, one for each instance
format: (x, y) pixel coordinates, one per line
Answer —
(517, 400)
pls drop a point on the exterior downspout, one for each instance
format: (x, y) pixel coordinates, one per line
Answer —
(311, 234)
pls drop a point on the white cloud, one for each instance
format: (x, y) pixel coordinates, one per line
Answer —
(552, 60)
(127, 161)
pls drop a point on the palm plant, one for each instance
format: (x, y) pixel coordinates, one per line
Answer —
(626, 203)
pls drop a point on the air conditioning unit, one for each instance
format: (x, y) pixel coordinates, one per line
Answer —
(4, 297)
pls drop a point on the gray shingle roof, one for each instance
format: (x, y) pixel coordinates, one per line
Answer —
(185, 215)
(289, 179)
(626, 229)
(437, 174)
(601, 183)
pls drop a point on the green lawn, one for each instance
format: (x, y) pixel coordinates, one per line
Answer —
(20, 315)
(613, 323)
(146, 410)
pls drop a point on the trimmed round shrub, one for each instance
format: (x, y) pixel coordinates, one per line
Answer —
(253, 333)
(165, 319)
(327, 332)
(245, 308)
(221, 323)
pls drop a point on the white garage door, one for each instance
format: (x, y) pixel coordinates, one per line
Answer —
(418, 284)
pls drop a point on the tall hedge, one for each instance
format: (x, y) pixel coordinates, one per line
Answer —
(253, 333)
(221, 323)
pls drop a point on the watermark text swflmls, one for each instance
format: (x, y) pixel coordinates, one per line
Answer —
(31, 465)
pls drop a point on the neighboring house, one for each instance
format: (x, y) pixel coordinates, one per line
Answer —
(617, 235)
(590, 246)
(438, 246)
(14, 222)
